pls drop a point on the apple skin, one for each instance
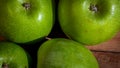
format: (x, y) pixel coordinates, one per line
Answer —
(22, 24)
(12, 55)
(64, 53)
(89, 22)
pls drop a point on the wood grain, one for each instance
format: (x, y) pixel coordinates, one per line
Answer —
(108, 59)
(108, 53)
(2, 39)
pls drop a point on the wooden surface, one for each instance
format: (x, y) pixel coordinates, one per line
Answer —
(108, 53)
(1, 38)
(108, 59)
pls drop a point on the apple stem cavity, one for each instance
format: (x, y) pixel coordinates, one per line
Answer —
(4, 65)
(93, 8)
(26, 6)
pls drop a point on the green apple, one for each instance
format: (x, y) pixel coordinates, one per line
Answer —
(89, 21)
(64, 53)
(12, 56)
(22, 21)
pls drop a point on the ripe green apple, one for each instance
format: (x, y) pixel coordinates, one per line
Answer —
(22, 21)
(64, 53)
(89, 21)
(12, 56)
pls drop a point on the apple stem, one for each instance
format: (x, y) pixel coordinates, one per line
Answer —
(93, 8)
(26, 5)
(47, 38)
(4, 65)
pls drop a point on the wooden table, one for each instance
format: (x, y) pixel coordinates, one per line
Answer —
(108, 53)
